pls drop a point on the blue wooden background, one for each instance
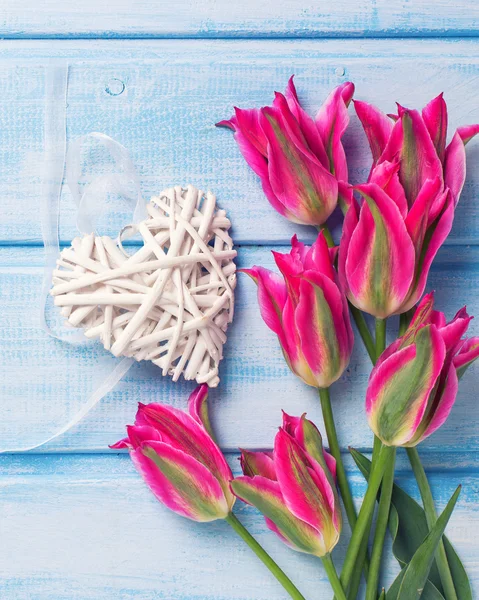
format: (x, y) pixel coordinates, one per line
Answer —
(76, 522)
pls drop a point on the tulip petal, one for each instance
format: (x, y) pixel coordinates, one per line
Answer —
(468, 353)
(306, 124)
(438, 410)
(386, 176)
(198, 407)
(455, 160)
(308, 437)
(417, 219)
(299, 181)
(435, 118)
(272, 296)
(181, 482)
(377, 127)
(380, 256)
(467, 132)
(435, 236)
(453, 331)
(306, 492)
(250, 138)
(411, 142)
(266, 496)
(258, 463)
(137, 434)
(293, 353)
(248, 122)
(290, 266)
(252, 144)
(399, 388)
(318, 258)
(345, 196)
(181, 431)
(325, 338)
(351, 219)
(332, 121)
(123, 444)
(423, 315)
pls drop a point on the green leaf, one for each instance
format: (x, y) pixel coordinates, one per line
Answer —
(458, 572)
(408, 527)
(383, 595)
(415, 576)
(430, 591)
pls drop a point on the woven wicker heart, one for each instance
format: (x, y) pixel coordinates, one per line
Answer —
(171, 301)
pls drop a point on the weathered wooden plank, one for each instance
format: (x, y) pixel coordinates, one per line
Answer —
(87, 527)
(43, 382)
(162, 98)
(209, 19)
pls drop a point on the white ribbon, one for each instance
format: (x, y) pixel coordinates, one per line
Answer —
(91, 202)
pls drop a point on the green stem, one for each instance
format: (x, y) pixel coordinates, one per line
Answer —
(336, 452)
(363, 550)
(380, 337)
(431, 518)
(381, 528)
(333, 577)
(374, 351)
(364, 332)
(403, 323)
(327, 235)
(264, 557)
(365, 514)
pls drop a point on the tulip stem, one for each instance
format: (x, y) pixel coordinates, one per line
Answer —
(333, 577)
(364, 332)
(363, 523)
(264, 557)
(380, 337)
(431, 518)
(381, 528)
(363, 550)
(336, 452)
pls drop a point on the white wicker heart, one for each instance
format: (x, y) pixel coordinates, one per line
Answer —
(169, 302)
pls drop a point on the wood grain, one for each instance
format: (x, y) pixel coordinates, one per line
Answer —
(43, 382)
(76, 522)
(174, 92)
(283, 18)
(81, 528)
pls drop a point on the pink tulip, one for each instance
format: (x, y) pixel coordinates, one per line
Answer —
(307, 311)
(175, 454)
(299, 160)
(390, 240)
(413, 386)
(294, 487)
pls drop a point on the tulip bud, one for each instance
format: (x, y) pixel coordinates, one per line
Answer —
(390, 240)
(178, 459)
(294, 487)
(307, 311)
(413, 385)
(299, 160)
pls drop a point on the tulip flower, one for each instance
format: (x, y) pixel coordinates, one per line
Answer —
(178, 459)
(294, 487)
(414, 383)
(300, 160)
(307, 311)
(390, 240)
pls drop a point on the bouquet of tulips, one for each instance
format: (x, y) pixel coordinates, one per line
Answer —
(394, 224)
